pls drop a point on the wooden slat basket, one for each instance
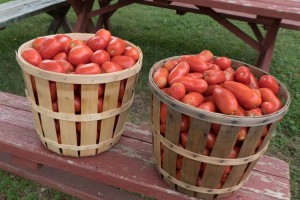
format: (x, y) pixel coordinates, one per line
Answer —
(208, 174)
(89, 131)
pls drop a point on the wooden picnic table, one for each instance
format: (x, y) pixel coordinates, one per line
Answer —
(272, 14)
(128, 166)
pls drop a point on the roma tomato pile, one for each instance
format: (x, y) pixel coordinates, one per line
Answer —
(102, 53)
(212, 84)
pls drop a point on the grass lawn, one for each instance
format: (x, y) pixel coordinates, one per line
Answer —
(160, 33)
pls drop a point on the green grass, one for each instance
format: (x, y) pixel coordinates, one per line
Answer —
(161, 34)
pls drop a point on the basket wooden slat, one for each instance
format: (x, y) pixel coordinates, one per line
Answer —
(233, 172)
(44, 99)
(172, 134)
(78, 134)
(65, 98)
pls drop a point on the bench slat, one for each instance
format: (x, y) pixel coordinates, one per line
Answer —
(25, 9)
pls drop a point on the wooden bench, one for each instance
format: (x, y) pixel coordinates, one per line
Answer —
(126, 167)
(16, 10)
(272, 14)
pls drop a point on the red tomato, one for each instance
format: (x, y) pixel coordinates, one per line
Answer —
(225, 101)
(61, 56)
(165, 90)
(78, 127)
(131, 52)
(259, 143)
(213, 67)
(97, 43)
(271, 103)
(109, 67)
(185, 123)
(247, 97)
(68, 66)
(209, 98)
(77, 104)
(254, 112)
(229, 74)
(208, 106)
(268, 81)
(76, 42)
(53, 92)
(80, 55)
(177, 91)
(163, 113)
(160, 77)
(253, 82)
(180, 70)
(37, 43)
(162, 129)
(183, 139)
(242, 75)
(234, 152)
(205, 56)
(211, 139)
(265, 131)
(100, 104)
(64, 40)
(193, 99)
(50, 48)
(215, 127)
(170, 65)
(57, 127)
(222, 62)
(91, 68)
(242, 134)
(195, 75)
(197, 65)
(122, 89)
(210, 89)
(105, 34)
(184, 58)
(100, 57)
(214, 76)
(191, 84)
(32, 56)
(240, 111)
(52, 65)
(179, 161)
(55, 106)
(124, 61)
(116, 47)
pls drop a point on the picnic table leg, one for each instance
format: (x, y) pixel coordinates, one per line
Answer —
(82, 8)
(104, 19)
(59, 19)
(265, 56)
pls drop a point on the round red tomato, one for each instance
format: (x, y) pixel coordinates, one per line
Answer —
(52, 65)
(80, 55)
(32, 56)
(90, 68)
(105, 34)
(132, 52)
(67, 65)
(109, 67)
(37, 43)
(116, 46)
(124, 61)
(222, 62)
(96, 43)
(64, 40)
(100, 57)
(50, 47)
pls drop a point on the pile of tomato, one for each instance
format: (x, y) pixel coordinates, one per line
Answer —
(101, 53)
(211, 84)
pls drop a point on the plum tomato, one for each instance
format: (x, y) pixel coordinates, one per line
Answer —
(32, 56)
(80, 55)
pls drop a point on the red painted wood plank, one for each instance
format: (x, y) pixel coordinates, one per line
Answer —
(72, 184)
(128, 165)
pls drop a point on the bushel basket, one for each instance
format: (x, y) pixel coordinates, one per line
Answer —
(194, 171)
(88, 132)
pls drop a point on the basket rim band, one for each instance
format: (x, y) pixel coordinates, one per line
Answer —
(198, 189)
(81, 117)
(207, 159)
(217, 117)
(81, 148)
(78, 78)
